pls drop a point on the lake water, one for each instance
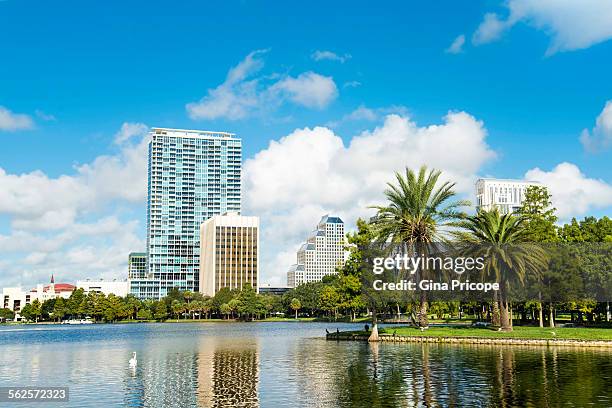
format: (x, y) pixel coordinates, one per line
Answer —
(291, 365)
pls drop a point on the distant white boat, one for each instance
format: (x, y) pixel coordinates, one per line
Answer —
(77, 321)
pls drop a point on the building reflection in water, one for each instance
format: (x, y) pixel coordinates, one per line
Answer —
(228, 372)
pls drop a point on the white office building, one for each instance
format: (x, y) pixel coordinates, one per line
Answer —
(321, 254)
(116, 287)
(506, 195)
(229, 248)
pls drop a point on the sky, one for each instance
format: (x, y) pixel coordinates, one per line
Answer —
(329, 99)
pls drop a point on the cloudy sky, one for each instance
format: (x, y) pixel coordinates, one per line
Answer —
(329, 101)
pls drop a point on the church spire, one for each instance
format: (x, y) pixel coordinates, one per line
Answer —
(52, 279)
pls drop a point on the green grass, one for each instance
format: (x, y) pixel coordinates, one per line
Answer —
(519, 332)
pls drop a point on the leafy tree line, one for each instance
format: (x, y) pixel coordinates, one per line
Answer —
(243, 304)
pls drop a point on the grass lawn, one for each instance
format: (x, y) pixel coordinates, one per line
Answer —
(519, 332)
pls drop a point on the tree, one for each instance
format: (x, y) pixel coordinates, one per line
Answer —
(144, 314)
(588, 230)
(225, 309)
(59, 309)
(250, 305)
(419, 210)
(508, 256)
(160, 310)
(224, 295)
(178, 308)
(296, 305)
(329, 300)
(6, 314)
(539, 215)
(36, 309)
(75, 302)
(540, 224)
(26, 312)
(234, 306)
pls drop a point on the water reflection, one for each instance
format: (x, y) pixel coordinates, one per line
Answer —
(276, 364)
(449, 375)
(228, 373)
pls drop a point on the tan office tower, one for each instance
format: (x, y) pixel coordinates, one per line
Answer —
(229, 248)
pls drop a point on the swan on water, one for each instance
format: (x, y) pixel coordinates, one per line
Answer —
(133, 361)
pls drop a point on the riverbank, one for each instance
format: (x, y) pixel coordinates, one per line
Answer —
(590, 337)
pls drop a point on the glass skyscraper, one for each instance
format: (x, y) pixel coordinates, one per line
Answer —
(193, 175)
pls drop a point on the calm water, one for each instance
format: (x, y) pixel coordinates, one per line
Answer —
(291, 365)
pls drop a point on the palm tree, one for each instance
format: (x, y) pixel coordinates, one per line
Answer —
(503, 242)
(420, 210)
(295, 305)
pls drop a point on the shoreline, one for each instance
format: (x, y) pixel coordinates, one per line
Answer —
(387, 338)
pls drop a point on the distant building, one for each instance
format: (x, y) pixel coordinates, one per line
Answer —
(141, 283)
(16, 298)
(137, 265)
(229, 245)
(321, 254)
(506, 195)
(273, 290)
(117, 288)
(193, 175)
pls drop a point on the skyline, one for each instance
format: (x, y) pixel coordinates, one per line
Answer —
(326, 114)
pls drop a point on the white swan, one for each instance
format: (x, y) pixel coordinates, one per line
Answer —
(133, 361)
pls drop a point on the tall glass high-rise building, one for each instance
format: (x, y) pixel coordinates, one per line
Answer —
(193, 175)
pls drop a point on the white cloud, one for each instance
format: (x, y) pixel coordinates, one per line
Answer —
(363, 113)
(351, 84)
(130, 130)
(572, 25)
(10, 121)
(311, 171)
(489, 30)
(242, 93)
(329, 55)
(309, 89)
(601, 136)
(457, 45)
(55, 221)
(573, 194)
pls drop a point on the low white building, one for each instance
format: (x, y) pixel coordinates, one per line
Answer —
(506, 195)
(116, 287)
(16, 298)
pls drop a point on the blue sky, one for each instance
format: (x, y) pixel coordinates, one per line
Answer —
(534, 76)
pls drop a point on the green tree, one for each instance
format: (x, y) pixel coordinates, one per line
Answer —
(160, 310)
(234, 306)
(47, 308)
(329, 300)
(223, 295)
(250, 305)
(26, 312)
(420, 208)
(588, 230)
(59, 309)
(225, 310)
(296, 305)
(508, 256)
(539, 215)
(540, 226)
(6, 314)
(144, 314)
(36, 309)
(178, 308)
